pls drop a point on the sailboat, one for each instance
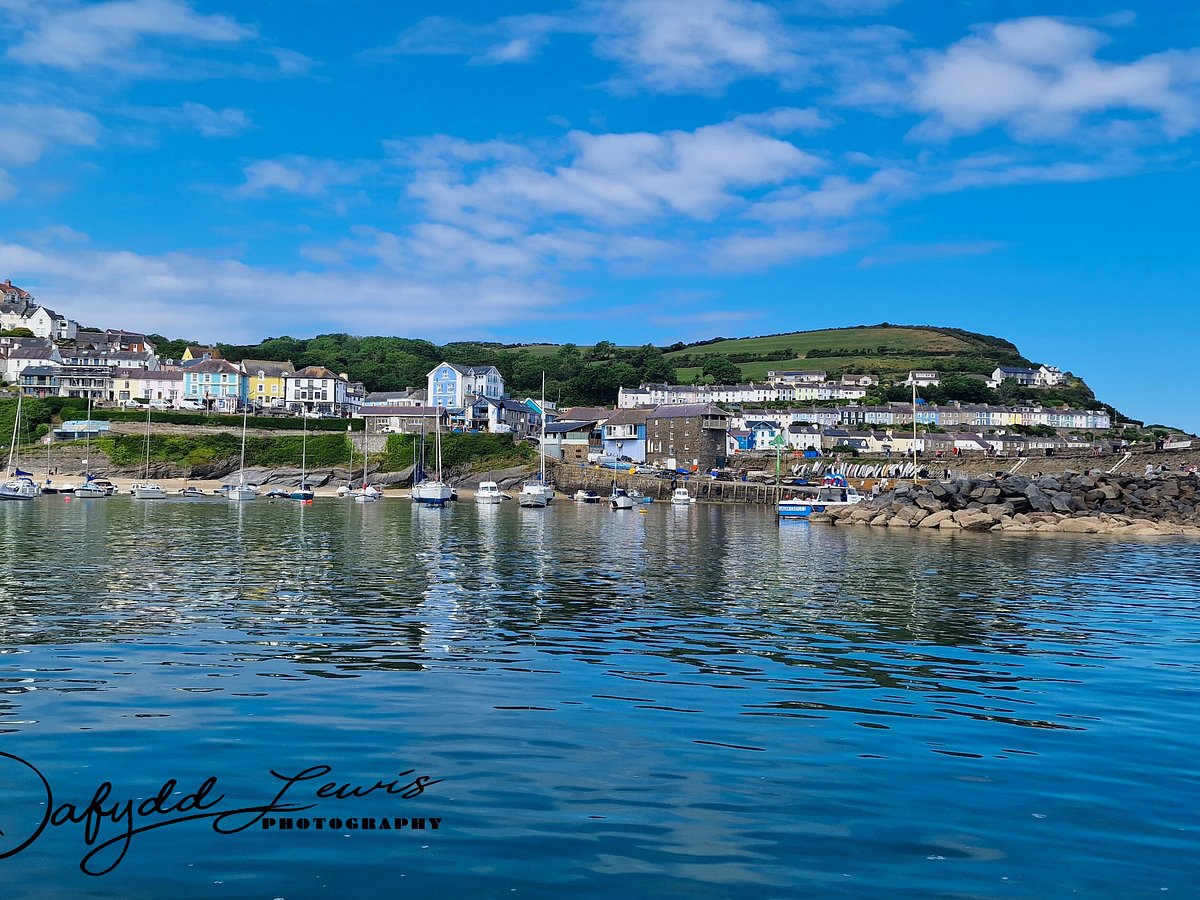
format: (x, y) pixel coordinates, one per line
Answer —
(147, 489)
(347, 489)
(434, 492)
(21, 485)
(89, 488)
(303, 493)
(241, 490)
(369, 493)
(538, 494)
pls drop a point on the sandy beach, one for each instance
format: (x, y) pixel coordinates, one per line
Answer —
(174, 485)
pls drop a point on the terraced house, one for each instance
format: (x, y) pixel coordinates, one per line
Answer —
(217, 384)
(265, 381)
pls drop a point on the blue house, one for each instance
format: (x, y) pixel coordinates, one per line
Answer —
(624, 435)
(217, 384)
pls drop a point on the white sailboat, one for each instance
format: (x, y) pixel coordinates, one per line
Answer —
(369, 493)
(89, 489)
(347, 489)
(147, 489)
(434, 492)
(538, 494)
(303, 493)
(243, 491)
(21, 485)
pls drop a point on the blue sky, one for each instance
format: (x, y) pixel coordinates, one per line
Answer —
(629, 170)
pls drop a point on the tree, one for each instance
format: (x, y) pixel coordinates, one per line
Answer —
(722, 371)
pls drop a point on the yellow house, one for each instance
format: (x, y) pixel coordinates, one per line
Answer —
(264, 378)
(191, 353)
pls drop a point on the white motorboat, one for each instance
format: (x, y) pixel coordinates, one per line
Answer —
(191, 492)
(833, 493)
(682, 497)
(90, 489)
(489, 492)
(620, 499)
(582, 496)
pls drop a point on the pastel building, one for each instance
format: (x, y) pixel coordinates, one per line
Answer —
(452, 386)
(217, 384)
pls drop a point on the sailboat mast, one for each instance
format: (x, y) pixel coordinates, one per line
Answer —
(542, 444)
(12, 449)
(304, 450)
(242, 474)
(147, 476)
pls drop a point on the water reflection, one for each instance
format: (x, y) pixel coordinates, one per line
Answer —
(666, 681)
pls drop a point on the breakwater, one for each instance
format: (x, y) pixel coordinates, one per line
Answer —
(1163, 503)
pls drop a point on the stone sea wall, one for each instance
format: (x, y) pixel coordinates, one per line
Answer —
(1167, 503)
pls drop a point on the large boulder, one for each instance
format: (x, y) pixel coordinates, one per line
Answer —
(1038, 499)
(934, 519)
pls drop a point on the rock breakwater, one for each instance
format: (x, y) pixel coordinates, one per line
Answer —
(1167, 503)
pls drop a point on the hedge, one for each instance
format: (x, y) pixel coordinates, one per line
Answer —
(280, 423)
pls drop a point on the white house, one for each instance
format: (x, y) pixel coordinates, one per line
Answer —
(922, 378)
(21, 353)
(17, 310)
(317, 389)
(451, 385)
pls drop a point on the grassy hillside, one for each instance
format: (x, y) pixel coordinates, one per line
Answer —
(886, 350)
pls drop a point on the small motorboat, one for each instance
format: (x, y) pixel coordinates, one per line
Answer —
(682, 497)
(620, 499)
(582, 496)
(489, 492)
(191, 492)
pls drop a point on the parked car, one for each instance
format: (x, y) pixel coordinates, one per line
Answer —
(160, 404)
(130, 404)
(190, 405)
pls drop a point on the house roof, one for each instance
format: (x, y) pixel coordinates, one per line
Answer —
(562, 427)
(271, 368)
(314, 372)
(687, 410)
(215, 365)
(628, 417)
(39, 371)
(468, 370)
(1016, 370)
(585, 413)
(7, 287)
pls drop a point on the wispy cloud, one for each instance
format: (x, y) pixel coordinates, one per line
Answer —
(670, 46)
(178, 293)
(114, 35)
(189, 116)
(304, 176)
(31, 129)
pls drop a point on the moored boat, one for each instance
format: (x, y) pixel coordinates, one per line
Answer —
(834, 492)
(682, 497)
(620, 499)
(582, 496)
(489, 492)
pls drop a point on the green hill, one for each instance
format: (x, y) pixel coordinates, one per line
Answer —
(885, 350)
(592, 375)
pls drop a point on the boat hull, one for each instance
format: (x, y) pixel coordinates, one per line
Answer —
(432, 493)
(241, 494)
(86, 491)
(149, 492)
(301, 496)
(18, 489)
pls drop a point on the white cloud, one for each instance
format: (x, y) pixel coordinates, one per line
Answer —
(224, 299)
(1040, 78)
(740, 252)
(215, 122)
(30, 129)
(680, 45)
(623, 178)
(305, 176)
(109, 35)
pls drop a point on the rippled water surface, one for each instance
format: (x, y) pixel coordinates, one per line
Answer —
(695, 702)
